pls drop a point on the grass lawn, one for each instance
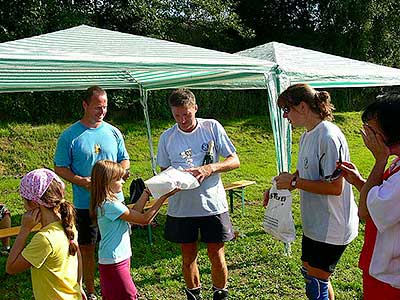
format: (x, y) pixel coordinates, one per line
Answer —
(257, 267)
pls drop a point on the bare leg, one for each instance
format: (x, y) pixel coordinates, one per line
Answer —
(219, 269)
(190, 269)
(88, 266)
(330, 291)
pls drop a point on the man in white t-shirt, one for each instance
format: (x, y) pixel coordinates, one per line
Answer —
(196, 144)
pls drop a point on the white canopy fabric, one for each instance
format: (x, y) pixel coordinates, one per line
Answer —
(323, 70)
(320, 70)
(82, 56)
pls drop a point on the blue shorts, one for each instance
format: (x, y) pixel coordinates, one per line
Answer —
(321, 255)
(210, 229)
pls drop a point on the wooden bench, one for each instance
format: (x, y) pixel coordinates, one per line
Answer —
(12, 231)
(237, 188)
(234, 188)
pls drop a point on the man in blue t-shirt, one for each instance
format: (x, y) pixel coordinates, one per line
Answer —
(196, 145)
(79, 147)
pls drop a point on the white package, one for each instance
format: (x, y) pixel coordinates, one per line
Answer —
(170, 179)
(278, 219)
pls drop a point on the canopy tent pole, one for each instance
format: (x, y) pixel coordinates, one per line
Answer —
(276, 84)
(143, 101)
(280, 127)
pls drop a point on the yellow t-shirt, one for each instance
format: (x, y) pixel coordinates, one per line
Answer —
(54, 272)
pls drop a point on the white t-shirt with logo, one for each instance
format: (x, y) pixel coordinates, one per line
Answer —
(326, 218)
(177, 148)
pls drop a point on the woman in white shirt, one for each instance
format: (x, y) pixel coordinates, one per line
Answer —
(328, 210)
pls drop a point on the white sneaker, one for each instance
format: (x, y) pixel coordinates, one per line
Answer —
(91, 296)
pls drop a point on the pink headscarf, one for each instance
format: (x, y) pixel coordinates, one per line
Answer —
(35, 183)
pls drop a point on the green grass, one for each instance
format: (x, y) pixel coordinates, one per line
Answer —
(257, 267)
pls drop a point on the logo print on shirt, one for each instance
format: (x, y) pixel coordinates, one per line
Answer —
(305, 163)
(204, 147)
(187, 156)
(97, 149)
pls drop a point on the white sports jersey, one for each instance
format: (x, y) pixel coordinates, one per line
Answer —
(326, 218)
(187, 149)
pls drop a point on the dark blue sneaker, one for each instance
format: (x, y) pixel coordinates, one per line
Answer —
(220, 294)
(193, 294)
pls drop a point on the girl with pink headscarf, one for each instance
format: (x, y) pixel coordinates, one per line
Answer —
(53, 253)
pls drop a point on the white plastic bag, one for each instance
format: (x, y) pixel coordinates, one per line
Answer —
(170, 179)
(278, 219)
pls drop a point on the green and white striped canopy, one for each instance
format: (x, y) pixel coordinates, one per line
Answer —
(82, 56)
(319, 69)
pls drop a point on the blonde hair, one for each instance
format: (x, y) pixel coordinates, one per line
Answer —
(103, 173)
(54, 195)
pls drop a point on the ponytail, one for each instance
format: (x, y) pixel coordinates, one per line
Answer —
(324, 105)
(54, 197)
(318, 101)
(68, 216)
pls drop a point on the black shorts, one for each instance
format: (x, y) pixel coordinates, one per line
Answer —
(210, 229)
(321, 255)
(88, 232)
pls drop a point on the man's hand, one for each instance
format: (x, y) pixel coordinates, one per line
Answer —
(126, 175)
(85, 182)
(201, 173)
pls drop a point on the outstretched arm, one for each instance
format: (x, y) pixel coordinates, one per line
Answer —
(352, 175)
(135, 215)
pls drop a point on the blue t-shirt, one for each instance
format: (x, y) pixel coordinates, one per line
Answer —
(177, 148)
(115, 243)
(80, 147)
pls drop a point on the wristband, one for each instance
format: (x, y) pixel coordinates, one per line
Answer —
(293, 183)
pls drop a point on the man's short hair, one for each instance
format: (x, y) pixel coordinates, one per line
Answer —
(182, 97)
(93, 90)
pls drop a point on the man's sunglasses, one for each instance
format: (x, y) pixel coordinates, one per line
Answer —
(338, 171)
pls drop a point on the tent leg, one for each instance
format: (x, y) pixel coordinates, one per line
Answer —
(143, 101)
(280, 127)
